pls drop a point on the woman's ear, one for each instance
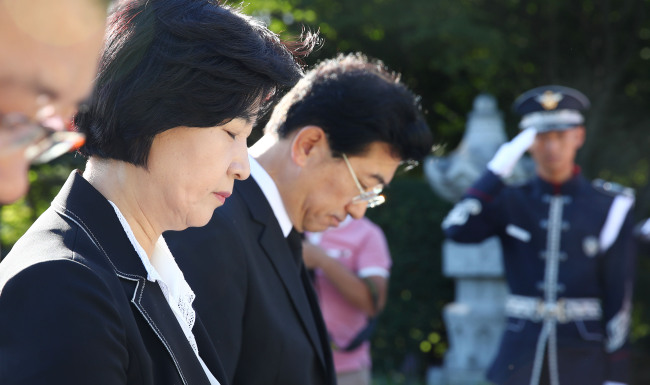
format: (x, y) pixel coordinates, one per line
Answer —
(308, 142)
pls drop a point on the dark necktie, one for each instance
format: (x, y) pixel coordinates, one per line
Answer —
(295, 244)
(294, 239)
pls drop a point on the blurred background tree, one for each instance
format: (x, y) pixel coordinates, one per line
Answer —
(449, 51)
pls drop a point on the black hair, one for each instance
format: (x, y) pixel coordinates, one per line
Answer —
(170, 63)
(356, 102)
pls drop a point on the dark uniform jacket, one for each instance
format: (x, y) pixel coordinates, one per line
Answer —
(254, 295)
(76, 307)
(568, 250)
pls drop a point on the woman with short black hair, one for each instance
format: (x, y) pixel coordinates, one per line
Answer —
(91, 294)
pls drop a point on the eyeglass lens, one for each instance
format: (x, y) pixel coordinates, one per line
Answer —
(371, 197)
(41, 143)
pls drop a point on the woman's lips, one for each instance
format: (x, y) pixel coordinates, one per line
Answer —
(222, 196)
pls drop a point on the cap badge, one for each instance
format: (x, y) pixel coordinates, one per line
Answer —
(549, 99)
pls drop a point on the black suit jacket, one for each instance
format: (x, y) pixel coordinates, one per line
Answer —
(76, 308)
(255, 298)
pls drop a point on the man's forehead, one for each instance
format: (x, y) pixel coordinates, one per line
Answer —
(58, 23)
(559, 132)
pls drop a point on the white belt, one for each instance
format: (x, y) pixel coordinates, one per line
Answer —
(564, 310)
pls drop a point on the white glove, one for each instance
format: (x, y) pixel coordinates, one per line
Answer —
(509, 153)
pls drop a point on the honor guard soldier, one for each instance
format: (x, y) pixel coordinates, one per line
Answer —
(568, 251)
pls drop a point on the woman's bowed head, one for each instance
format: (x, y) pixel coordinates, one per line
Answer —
(174, 102)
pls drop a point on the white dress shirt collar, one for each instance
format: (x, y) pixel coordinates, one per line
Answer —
(162, 268)
(272, 194)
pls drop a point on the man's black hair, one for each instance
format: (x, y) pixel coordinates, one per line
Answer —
(356, 101)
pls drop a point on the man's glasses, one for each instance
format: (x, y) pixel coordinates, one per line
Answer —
(372, 197)
(41, 140)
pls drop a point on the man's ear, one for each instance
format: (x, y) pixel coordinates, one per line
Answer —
(309, 141)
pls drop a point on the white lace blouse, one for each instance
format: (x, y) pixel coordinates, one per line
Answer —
(162, 268)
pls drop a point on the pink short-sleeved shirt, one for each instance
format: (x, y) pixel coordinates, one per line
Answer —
(361, 246)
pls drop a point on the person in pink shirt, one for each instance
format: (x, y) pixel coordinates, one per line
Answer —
(351, 265)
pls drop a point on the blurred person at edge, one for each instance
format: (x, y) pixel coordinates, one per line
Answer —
(351, 265)
(91, 294)
(48, 60)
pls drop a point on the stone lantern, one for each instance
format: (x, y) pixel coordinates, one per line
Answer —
(475, 319)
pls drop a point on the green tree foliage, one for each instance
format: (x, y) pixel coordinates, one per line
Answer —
(411, 334)
(451, 50)
(45, 182)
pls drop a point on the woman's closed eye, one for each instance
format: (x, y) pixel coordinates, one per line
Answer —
(231, 134)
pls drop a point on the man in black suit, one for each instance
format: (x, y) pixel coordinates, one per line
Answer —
(333, 142)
